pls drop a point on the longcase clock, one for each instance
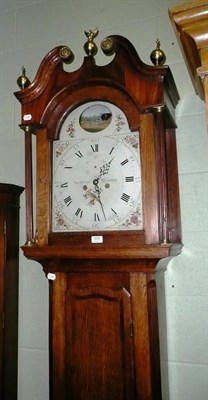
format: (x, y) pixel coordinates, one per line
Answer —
(107, 210)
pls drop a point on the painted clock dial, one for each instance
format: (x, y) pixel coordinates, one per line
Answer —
(96, 172)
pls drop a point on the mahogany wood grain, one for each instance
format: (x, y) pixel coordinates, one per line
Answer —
(162, 176)
(149, 179)
(154, 337)
(91, 309)
(58, 336)
(43, 182)
(56, 253)
(141, 331)
(98, 342)
(174, 213)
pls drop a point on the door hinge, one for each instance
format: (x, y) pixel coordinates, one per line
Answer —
(5, 226)
(131, 327)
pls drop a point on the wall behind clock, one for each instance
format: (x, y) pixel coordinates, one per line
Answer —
(28, 30)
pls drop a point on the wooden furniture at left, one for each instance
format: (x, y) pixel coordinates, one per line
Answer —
(9, 260)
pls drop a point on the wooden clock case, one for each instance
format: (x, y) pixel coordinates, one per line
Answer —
(104, 340)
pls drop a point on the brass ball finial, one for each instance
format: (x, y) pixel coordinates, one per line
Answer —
(158, 56)
(107, 46)
(66, 55)
(90, 47)
(23, 81)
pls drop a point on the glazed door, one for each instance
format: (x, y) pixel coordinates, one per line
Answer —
(93, 347)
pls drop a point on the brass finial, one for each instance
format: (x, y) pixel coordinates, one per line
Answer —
(158, 56)
(23, 80)
(90, 47)
(107, 46)
(66, 54)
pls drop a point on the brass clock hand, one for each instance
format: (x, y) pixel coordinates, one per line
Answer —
(104, 169)
(98, 191)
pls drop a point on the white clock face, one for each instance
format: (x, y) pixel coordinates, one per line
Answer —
(96, 172)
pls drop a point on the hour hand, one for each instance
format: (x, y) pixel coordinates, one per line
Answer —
(98, 191)
(105, 168)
